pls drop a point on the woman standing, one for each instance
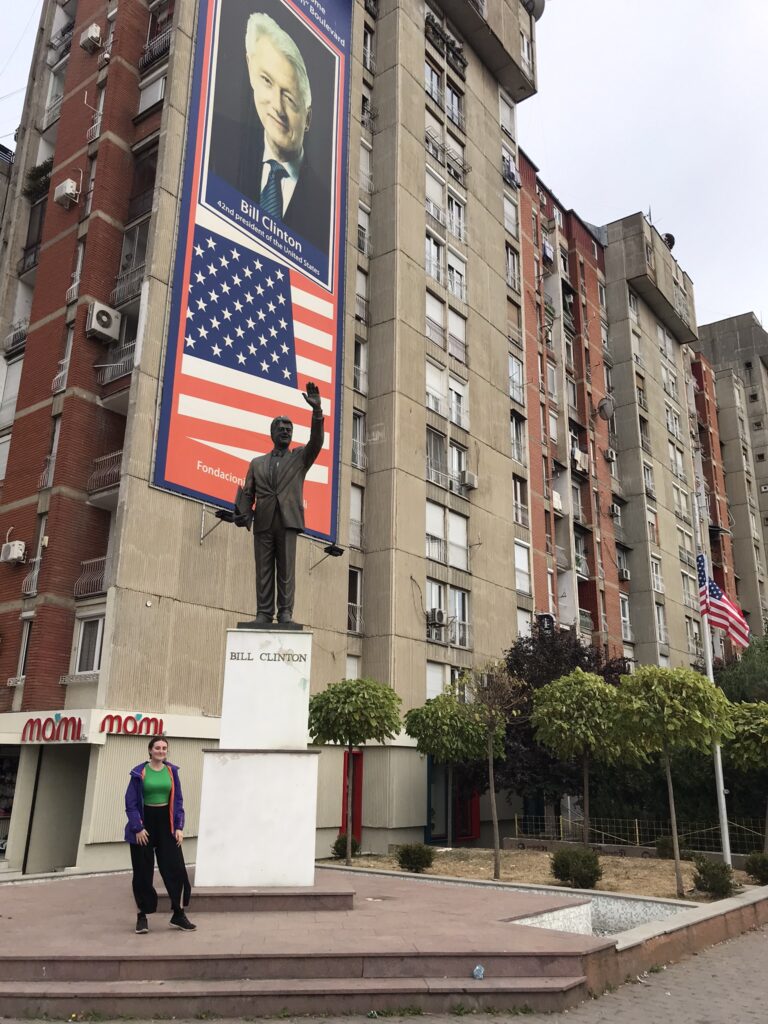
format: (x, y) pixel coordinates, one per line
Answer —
(155, 809)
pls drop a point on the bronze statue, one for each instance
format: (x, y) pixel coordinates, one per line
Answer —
(272, 503)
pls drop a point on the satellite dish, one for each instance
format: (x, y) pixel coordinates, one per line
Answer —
(669, 241)
(534, 7)
(606, 407)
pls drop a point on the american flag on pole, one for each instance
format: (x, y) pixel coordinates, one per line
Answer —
(721, 611)
(255, 332)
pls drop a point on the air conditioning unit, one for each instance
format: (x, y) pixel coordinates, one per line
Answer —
(90, 39)
(614, 511)
(610, 454)
(103, 322)
(13, 551)
(624, 575)
(66, 193)
(469, 480)
(437, 617)
(557, 501)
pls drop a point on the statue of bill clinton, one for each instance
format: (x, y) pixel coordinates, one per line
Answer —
(272, 503)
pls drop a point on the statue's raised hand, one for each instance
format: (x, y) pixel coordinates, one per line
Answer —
(312, 396)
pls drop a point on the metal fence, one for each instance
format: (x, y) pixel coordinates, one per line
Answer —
(746, 834)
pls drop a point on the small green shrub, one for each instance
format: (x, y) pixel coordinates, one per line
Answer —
(339, 847)
(579, 868)
(415, 857)
(756, 866)
(664, 849)
(713, 877)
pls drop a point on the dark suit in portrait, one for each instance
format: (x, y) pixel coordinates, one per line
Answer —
(275, 483)
(237, 156)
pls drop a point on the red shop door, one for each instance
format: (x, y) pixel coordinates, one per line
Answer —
(357, 794)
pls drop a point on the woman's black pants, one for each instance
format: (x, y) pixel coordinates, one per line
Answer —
(170, 863)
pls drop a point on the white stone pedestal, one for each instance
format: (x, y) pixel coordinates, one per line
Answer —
(259, 794)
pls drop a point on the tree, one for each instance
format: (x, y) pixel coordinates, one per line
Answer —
(497, 697)
(451, 732)
(352, 713)
(664, 710)
(576, 718)
(747, 678)
(748, 749)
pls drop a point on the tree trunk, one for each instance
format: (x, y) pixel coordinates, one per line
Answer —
(585, 799)
(673, 822)
(494, 812)
(765, 837)
(350, 779)
(449, 809)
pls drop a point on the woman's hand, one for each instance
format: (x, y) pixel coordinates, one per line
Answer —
(179, 837)
(142, 838)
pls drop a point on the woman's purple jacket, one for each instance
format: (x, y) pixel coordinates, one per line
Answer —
(134, 802)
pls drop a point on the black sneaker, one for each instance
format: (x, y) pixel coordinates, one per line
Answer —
(142, 927)
(180, 920)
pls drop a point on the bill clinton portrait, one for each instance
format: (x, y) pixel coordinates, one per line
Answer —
(264, 125)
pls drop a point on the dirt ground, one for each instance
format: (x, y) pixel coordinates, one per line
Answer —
(631, 875)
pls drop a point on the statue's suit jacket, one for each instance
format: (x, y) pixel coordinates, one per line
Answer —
(287, 495)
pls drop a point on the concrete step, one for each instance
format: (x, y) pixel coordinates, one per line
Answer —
(159, 967)
(265, 997)
(211, 900)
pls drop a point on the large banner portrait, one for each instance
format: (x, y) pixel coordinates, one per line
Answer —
(258, 292)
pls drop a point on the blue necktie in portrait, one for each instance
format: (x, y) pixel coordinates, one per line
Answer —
(271, 200)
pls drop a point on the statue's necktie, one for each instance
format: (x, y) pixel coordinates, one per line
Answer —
(271, 200)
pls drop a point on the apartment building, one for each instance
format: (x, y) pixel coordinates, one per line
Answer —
(116, 594)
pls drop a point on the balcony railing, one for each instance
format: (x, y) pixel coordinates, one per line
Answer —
(29, 583)
(95, 129)
(435, 269)
(61, 42)
(29, 259)
(127, 285)
(105, 472)
(59, 382)
(73, 291)
(520, 514)
(437, 474)
(435, 332)
(119, 366)
(437, 549)
(457, 347)
(155, 49)
(91, 578)
(361, 309)
(586, 625)
(46, 476)
(457, 286)
(460, 633)
(360, 380)
(52, 112)
(434, 211)
(359, 455)
(354, 618)
(363, 240)
(16, 337)
(355, 533)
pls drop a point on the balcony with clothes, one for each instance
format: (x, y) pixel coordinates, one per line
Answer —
(60, 43)
(104, 482)
(91, 580)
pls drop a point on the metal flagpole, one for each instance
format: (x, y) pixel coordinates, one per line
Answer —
(719, 782)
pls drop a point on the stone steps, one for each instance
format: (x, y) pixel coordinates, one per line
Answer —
(266, 996)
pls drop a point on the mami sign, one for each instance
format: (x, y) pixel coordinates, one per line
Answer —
(132, 725)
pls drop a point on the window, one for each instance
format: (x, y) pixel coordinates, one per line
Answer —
(457, 276)
(368, 61)
(634, 308)
(454, 105)
(363, 231)
(601, 294)
(10, 392)
(355, 601)
(355, 516)
(662, 634)
(511, 216)
(669, 381)
(458, 541)
(626, 623)
(352, 669)
(435, 388)
(436, 546)
(457, 336)
(507, 115)
(526, 53)
(512, 261)
(456, 220)
(143, 184)
(516, 380)
(520, 501)
(455, 163)
(436, 602)
(437, 467)
(522, 568)
(151, 93)
(433, 82)
(645, 437)
(435, 201)
(656, 579)
(134, 252)
(552, 381)
(360, 377)
(457, 464)
(672, 418)
(5, 444)
(693, 637)
(648, 482)
(433, 137)
(433, 257)
(447, 537)
(89, 645)
(435, 679)
(524, 620)
(551, 596)
(435, 327)
(458, 403)
(460, 631)
(509, 170)
(653, 528)
(366, 177)
(621, 560)
(552, 425)
(359, 457)
(517, 430)
(690, 596)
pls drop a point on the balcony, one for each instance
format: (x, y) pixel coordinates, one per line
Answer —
(359, 454)
(91, 579)
(361, 309)
(360, 380)
(363, 240)
(437, 474)
(434, 32)
(520, 514)
(29, 259)
(435, 332)
(16, 337)
(95, 129)
(105, 472)
(29, 583)
(120, 365)
(434, 269)
(457, 347)
(52, 113)
(60, 43)
(437, 549)
(105, 56)
(73, 291)
(155, 49)
(59, 382)
(510, 173)
(354, 618)
(46, 476)
(127, 285)
(355, 533)
(460, 633)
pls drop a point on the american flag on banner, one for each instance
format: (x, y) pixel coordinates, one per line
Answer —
(255, 333)
(722, 612)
